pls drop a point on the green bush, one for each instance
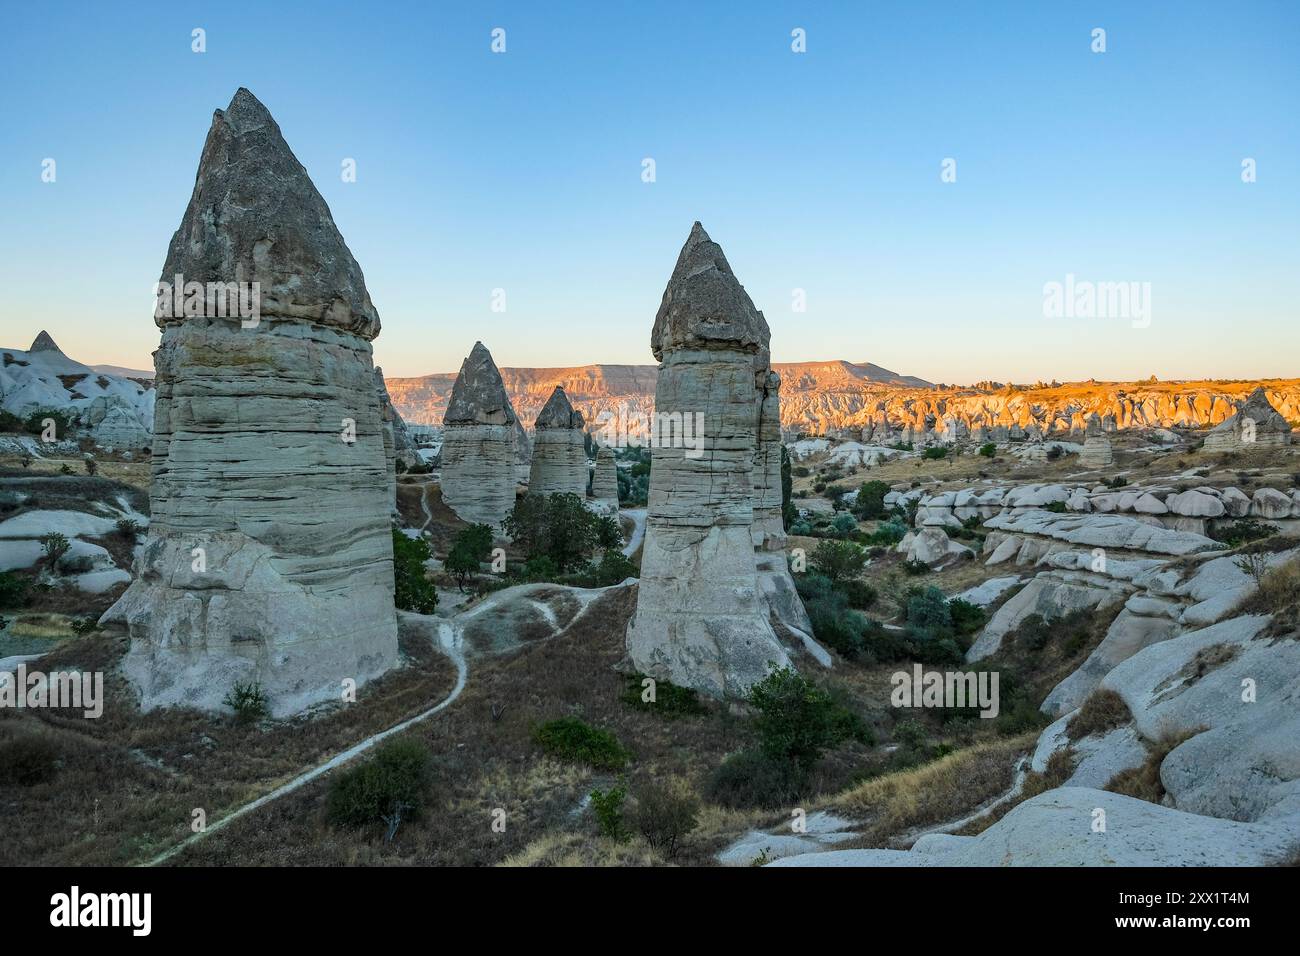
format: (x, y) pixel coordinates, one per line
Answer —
(9, 422)
(572, 740)
(13, 590)
(1243, 531)
(64, 423)
(797, 721)
(247, 701)
(967, 618)
(412, 590)
(670, 700)
(129, 529)
(1057, 507)
(915, 567)
(607, 805)
(935, 453)
(27, 759)
(844, 523)
(390, 786)
(752, 779)
(664, 814)
(859, 593)
(988, 450)
(889, 533)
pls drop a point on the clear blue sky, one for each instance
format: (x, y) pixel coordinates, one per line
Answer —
(817, 171)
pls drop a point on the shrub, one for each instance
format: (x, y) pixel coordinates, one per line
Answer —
(608, 532)
(915, 567)
(614, 567)
(967, 618)
(247, 701)
(64, 469)
(1032, 633)
(844, 523)
(13, 590)
(92, 466)
(412, 590)
(664, 814)
(752, 778)
(669, 700)
(889, 533)
(1057, 507)
(570, 739)
(9, 422)
(129, 529)
(76, 564)
(608, 808)
(1119, 481)
(839, 559)
(800, 471)
(935, 453)
(387, 788)
(64, 422)
(1103, 710)
(27, 759)
(797, 720)
(85, 625)
(1055, 452)
(988, 450)
(55, 546)
(1243, 531)
(859, 593)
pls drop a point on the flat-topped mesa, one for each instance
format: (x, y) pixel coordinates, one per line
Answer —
(1096, 445)
(479, 471)
(559, 464)
(269, 559)
(604, 481)
(701, 620)
(1256, 422)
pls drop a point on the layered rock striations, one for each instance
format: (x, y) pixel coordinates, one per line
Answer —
(604, 481)
(269, 558)
(479, 443)
(701, 619)
(559, 463)
(1096, 451)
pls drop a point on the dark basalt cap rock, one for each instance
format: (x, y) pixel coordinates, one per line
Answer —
(479, 396)
(704, 304)
(256, 216)
(43, 343)
(559, 413)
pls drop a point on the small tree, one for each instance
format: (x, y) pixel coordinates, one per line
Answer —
(412, 591)
(92, 466)
(871, 499)
(55, 546)
(471, 547)
(1254, 563)
(839, 560)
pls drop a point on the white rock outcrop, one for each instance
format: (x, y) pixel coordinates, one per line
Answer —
(269, 557)
(604, 481)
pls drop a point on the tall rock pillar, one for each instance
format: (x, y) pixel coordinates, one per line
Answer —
(479, 467)
(559, 464)
(269, 558)
(701, 620)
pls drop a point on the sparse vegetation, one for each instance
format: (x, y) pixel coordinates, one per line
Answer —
(1103, 711)
(1242, 531)
(570, 739)
(664, 814)
(247, 701)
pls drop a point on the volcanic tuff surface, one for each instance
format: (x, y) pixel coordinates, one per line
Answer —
(269, 558)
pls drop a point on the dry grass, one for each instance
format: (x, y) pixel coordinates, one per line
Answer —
(127, 782)
(1104, 710)
(935, 793)
(1058, 770)
(576, 849)
(1144, 782)
(1278, 594)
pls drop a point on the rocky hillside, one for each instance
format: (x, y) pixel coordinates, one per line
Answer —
(843, 397)
(116, 411)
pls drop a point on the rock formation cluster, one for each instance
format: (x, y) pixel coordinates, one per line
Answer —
(269, 559)
(559, 464)
(479, 443)
(701, 620)
(1096, 451)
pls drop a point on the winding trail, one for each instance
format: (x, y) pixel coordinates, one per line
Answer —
(448, 641)
(638, 533)
(424, 506)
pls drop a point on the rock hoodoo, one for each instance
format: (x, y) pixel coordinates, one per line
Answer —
(479, 467)
(559, 455)
(1096, 446)
(269, 558)
(701, 620)
(1256, 422)
(604, 481)
(768, 528)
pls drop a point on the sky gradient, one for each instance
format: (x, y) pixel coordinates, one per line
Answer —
(817, 171)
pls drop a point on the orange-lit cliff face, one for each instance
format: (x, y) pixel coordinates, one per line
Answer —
(822, 397)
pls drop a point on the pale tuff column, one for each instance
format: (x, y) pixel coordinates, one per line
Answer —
(478, 475)
(700, 620)
(559, 464)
